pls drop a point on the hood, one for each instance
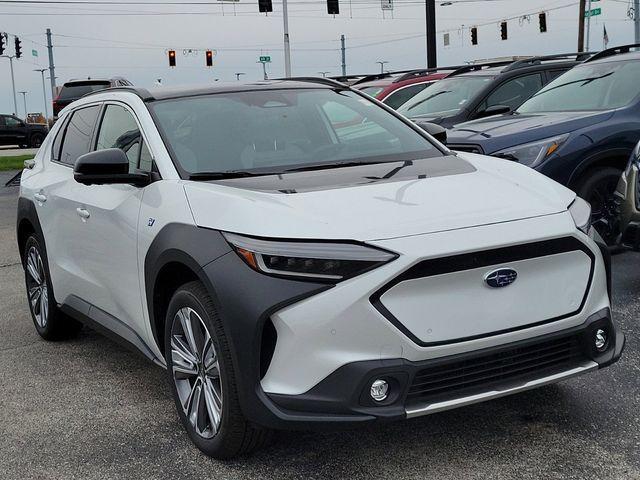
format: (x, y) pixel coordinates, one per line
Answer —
(377, 202)
(504, 131)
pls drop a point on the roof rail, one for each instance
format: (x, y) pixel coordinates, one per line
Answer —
(380, 76)
(143, 93)
(321, 80)
(425, 71)
(610, 52)
(474, 67)
(527, 62)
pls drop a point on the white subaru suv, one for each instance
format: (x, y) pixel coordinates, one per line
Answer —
(296, 254)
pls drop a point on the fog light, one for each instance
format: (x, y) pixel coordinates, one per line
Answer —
(379, 390)
(601, 340)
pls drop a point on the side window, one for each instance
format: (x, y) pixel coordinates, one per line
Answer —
(12, 122)
(402, 95)
(513, 92)
(77, 137)
(120, 130)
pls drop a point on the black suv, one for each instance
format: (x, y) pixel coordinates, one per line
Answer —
(76, 89)
(579, 130)
(485, 89)
(14, 131)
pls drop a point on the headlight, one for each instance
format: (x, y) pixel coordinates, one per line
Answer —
(533, 154)
(329, 262)
(581, 213)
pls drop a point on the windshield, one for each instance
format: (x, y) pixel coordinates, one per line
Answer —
(445, 98)
(602, 86)
(276, 130)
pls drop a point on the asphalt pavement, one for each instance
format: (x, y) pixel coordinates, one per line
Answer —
(12, 150)
(88, 409)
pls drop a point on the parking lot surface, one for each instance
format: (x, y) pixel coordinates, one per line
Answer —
(10, 151)
(88, 409)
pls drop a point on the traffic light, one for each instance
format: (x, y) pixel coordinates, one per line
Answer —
(18, 48)
(503, 31)
(474, 35)
(265, 6)
(172, 58)
(543, 22)
(209, 56)
(2, 45)
(333, 7)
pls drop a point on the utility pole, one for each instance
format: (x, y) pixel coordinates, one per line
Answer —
(581, 14)
(636, 19)
(432, 60)
(344, 55)
(588, 34)
(287, 46)
(24, 99)
(52, 68)
(44, 94)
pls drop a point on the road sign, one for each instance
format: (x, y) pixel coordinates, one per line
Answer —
(265, 59)
(386, 4)
(593, 12)
(34, 53)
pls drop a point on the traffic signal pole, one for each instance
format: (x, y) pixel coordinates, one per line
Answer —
(287, 46)
(581, 13)
(432, 61)
(13, 86)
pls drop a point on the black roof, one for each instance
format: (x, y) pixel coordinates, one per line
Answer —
(623, 52)
(164, 93)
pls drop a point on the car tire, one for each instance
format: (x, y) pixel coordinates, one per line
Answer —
(598, 188)
(202, 371)
(50, 322)
(36, 140)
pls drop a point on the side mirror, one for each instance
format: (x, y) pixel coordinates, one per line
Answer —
(436, 131)
(493, 110)
(103, 167)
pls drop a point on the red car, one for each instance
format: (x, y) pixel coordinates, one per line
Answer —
(395, 88)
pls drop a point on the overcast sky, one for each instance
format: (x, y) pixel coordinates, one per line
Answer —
(131, 40)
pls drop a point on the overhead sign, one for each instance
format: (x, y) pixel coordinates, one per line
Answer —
(386, 4)
(593, 12)
(34, 53)
(265, 59)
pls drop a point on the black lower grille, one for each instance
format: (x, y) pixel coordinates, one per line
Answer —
(493, 369)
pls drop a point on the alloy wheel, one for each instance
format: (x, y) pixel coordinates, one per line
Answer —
(37, 287)
(605, 209)
(196, 372)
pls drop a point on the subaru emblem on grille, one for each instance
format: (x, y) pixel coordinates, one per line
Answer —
(501, 278)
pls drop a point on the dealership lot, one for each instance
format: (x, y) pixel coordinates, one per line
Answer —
(86, 408)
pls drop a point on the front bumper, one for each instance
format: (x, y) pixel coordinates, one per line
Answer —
(457, 381)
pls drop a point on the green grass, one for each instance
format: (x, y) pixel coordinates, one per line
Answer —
(13, 163)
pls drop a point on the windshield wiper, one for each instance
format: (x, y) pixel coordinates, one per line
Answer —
(328, 166)
(427, 99)
(229, 174)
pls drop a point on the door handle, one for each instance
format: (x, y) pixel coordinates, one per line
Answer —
(83, 212)
(40, 197)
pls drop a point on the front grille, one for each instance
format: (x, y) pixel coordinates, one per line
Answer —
(467, 376)
(466, 148)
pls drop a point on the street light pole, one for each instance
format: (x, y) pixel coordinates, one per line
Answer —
(24, 99)
(13, 85)
(44, 94)
(287, 46)
(432, 60)
(382, 63)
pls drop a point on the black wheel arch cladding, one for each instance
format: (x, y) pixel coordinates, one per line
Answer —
(245, 299)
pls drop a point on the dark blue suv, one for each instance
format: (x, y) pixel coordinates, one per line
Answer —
(579, 130)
